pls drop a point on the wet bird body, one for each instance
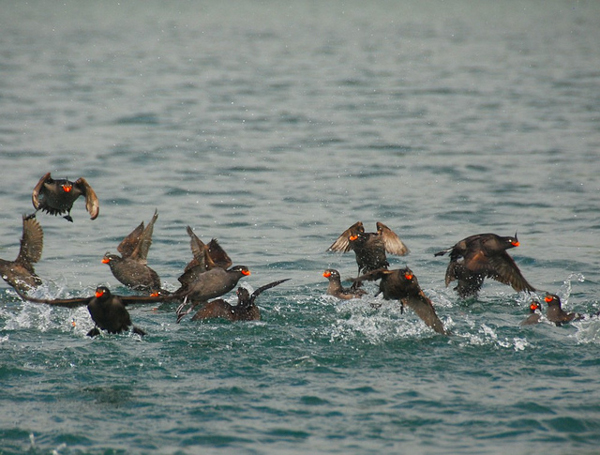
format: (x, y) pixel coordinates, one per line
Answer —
(534, 316)
(245, 310)
(402, 285)
(20, 273)
(199, 288)
(131, 268)
(336, 289)
(483, 256)
(369, 247)
(556, 314)
(106, 309)
(57, 196)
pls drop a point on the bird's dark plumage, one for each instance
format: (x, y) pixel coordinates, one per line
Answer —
(131, 268)
(199, 288)
(556, 314)
(534, 316)
(245, 310)
(402, 285)
(106, 309)
(20, 273)
(57, 196)
(369, 247)
(336, 289)
(483, 256)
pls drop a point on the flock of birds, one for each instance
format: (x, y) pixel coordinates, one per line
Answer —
(211, 273)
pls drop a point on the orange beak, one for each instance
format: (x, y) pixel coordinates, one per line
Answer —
(67, 188)
(327, 274)
(534, 306)
(548, 299)
(515, 243)
(352, 238)
(99, 293)
(154, 294)
(105, 260)
(408, 276)
(246, 272)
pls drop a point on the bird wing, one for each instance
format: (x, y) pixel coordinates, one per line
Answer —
(256, 293)
(503, 269)
(391, 241)
(218, 255)
(130, 243)
(202, 260)
(38, 188)
(68, 303)
(422, 306)
(91, 200)
(142, 299)
(141, 250)
(32, 242)
(342, 244)
(373, 275)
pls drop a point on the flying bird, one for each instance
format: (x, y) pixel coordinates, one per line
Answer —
(483, 256)
(57, 196)
(370, 248)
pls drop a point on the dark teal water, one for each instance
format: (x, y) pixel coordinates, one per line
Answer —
(274, 126)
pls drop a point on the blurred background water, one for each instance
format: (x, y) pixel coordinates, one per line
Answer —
(274, 126)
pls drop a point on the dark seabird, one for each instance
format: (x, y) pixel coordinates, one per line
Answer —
(57, 196)
(245, 310)
(556, 314)
(483, 256)
(336, 289)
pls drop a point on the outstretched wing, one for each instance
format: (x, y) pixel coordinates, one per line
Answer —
(218, 255)
(503, 269)
(391, 242)
(342, 244)
(35, 196)
(130, 243)
(32, 242)
(202, 260)
(256, 293)
(68, 303)
(422, 306)
(141, 250)
(91, 200)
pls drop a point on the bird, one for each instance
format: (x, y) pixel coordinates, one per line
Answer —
(336, 289)
(131, 268)
(20, 273)
(199, 288)
(57, 196)
(369, 247)
(556, 314)
(483, 256)
(106, 309)
(534, 316)
(402, 285)
(245, 310)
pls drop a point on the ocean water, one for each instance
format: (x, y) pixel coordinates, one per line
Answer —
(274, 126)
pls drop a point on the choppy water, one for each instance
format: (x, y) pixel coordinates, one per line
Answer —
(274, 126)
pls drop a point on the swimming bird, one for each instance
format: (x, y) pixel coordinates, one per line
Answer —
(245, 310)
(556, 314)
(402, 285)
(336, 289)
(106, 309)
(369, 247)
(534, 316)
(20, 273)
(199, 288)
(57, 196)
(483, 256)
(131, 268)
